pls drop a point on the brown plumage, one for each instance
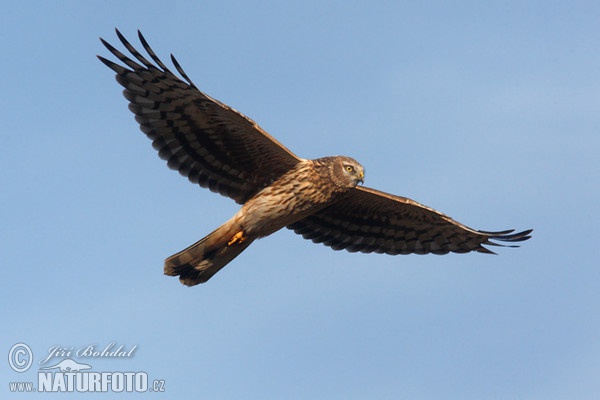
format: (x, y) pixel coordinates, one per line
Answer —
(307, 188)
(218, 148)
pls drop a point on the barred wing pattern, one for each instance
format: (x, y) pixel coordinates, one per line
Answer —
(212, 144)
(368, 220)
(219, 148)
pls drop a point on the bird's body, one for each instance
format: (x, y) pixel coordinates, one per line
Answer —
(295, 195)
(221, 149)
(271, 209)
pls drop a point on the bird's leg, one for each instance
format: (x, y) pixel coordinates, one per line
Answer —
(237, 238)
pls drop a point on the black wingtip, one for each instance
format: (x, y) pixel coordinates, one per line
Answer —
(517, 237)
(120, 35)
(181, 71)
(107, 45)
(142, 38)
(104, 60)
(506, 237)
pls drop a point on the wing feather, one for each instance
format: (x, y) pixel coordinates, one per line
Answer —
(368, 220)
(207, 141)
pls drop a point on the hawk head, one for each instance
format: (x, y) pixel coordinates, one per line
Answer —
(346, 172)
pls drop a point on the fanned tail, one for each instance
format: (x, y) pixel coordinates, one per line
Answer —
(199, 262)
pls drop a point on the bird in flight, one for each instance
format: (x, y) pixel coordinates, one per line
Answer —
(219, 148)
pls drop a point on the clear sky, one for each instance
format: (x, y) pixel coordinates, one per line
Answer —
(487, 111)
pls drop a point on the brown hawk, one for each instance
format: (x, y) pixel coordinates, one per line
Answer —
(217, 147)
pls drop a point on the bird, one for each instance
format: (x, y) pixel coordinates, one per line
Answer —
(323, 199)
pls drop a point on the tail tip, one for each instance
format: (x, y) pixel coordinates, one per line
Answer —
(188, 275)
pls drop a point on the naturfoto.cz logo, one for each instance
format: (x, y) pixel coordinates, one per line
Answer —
(69, 375)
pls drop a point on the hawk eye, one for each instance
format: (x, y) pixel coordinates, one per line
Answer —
(349, 168)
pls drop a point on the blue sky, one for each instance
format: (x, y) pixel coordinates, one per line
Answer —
(487, 111)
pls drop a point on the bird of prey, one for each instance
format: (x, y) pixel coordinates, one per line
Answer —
(219, 148)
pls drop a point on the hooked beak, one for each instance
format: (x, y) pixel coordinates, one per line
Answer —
(361, 177)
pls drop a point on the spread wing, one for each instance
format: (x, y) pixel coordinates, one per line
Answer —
(212, 144)
(368, 220)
